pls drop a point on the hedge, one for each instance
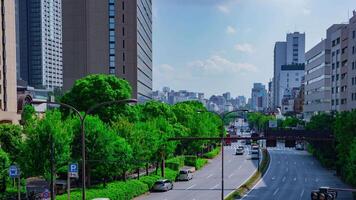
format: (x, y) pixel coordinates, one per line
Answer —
(212, 154)
(201, 162)
(175, 163)
(190, 160)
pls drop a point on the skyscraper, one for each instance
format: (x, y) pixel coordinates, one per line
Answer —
(258, 97)
(8, 99)
(40, 42)
(289, 54)
(109, 37)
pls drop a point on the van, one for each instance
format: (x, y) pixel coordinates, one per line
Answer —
(184, 175)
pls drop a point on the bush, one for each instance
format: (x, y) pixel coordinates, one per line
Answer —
(212, 154)
(190, 160)
(175, 163)
(201, 162)
(116, 190)
(150, 180)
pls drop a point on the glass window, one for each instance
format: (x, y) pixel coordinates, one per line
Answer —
(112, 39)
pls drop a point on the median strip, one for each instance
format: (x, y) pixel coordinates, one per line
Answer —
(249, 184)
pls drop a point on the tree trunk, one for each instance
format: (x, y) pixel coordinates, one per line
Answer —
(157, 166)
(162, 167)
(146, 169)
(138, 173)
(124, 176)
(89, 175)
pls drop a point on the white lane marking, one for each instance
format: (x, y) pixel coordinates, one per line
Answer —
(287, 169)
(229, 161)
(275, 192)
(231, 175)
(209, 176)
(214, 186)
(316, 180)
(191, 186)
(295, 163)
(295, 179)
(284, 179)
(287, 162)
(301, 194)
(240, 167)
(273, 178)
(305, 179)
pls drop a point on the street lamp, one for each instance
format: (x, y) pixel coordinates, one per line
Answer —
(82, 118)
(222, 117)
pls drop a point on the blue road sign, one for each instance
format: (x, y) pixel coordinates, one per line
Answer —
(14, 171)
(73, 167)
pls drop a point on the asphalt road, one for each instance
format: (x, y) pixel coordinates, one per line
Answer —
(293, 175)
(206, 183)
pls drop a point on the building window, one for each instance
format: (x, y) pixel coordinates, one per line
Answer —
(112, 37)
(123, 56)
(123, 18)
(123, 44)
(124, 69)
(353, 34)
(123, 5)
(123, 31)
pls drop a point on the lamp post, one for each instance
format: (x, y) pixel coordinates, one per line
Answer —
(222, 117)
(82, 118)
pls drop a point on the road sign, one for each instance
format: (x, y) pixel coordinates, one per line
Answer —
(14, 171)
(73, 170)
(272, 123)
(45, 195)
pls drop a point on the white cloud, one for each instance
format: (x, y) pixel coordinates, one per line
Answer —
(306, 11)
(217, 65)
(230, 30)
(223, 9)
(245, 48)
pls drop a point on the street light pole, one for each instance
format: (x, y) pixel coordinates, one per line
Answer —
(82, 120)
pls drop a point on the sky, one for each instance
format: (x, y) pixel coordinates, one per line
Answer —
(217, 46)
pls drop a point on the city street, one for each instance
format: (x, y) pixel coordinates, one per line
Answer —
(294, 174)
(206, 183)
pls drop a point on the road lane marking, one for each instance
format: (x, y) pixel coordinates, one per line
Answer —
(287, 169)
(229, 161)
(275, 192)
(240, 167)
(316, 180)
(284, 179)
(305, 179)
(214, 186)
(295, 179)
(295, 163)
(191, 186)
(301, 194)
(231, 175)
(273, 178)
(209, 176)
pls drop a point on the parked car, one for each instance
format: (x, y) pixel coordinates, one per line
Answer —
(185, 175)
(299, 147)
(240, 150)
(162, 185)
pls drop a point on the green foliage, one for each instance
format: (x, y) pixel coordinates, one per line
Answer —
(190, 160)
(322, 122)
(28, 114)
(97, 88)
(35, 153)
(212, 154)
(175, 163)
(150, 180)
(258, 120)
(4, 166)
(291, 122)
(117, 190)
(11, 140)
(200, 163)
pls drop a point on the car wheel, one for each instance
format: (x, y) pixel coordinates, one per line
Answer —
(172, 187)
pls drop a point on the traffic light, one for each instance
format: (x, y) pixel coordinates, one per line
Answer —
(324, 193)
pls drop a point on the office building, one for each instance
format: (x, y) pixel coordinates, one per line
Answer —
(40, 43)
(317, 79)
(351, 99)
(287, 55)
(258, 97)
(109, 37)
(8, 99)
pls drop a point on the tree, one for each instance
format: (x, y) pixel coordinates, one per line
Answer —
(35, 153)
(11, 140)
(97, 88)
(4, 167)
(154, 109)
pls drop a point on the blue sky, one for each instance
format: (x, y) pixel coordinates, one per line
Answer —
(215, 46)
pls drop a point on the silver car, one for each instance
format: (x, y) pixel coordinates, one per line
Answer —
(162, 185)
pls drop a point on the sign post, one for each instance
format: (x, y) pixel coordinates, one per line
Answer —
(72, 173)
(14, 172)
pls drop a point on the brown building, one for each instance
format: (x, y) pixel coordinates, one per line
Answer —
(8, 99)
(108, 37)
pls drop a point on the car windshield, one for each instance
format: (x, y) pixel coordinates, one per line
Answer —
(196, 99)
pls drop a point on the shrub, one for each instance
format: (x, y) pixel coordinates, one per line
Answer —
(175, 163)
(213, 153)
(200, 163)
(190, 160)
(150, 180)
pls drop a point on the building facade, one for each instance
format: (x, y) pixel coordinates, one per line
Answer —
(109, 37)
(40, 42)
(318, 79)
(258, 97)
(8, 99)
(351, 99)
(290, 52)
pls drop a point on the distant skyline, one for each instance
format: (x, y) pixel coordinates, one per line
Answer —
(214, 46)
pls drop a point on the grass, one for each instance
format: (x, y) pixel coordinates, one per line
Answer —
(247, 186)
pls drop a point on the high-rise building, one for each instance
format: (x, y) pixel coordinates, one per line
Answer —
(287, 55)
(40, 42)
(227, 96)
(258, 97)
(351, 99)
(8, 98)
(317, 79)
(109, 37)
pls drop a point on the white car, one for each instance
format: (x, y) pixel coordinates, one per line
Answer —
(185, 175)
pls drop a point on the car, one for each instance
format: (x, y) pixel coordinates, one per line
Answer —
(184, 175)
(299, 147)
(240, 150)
(162, 185)
(255, 154)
